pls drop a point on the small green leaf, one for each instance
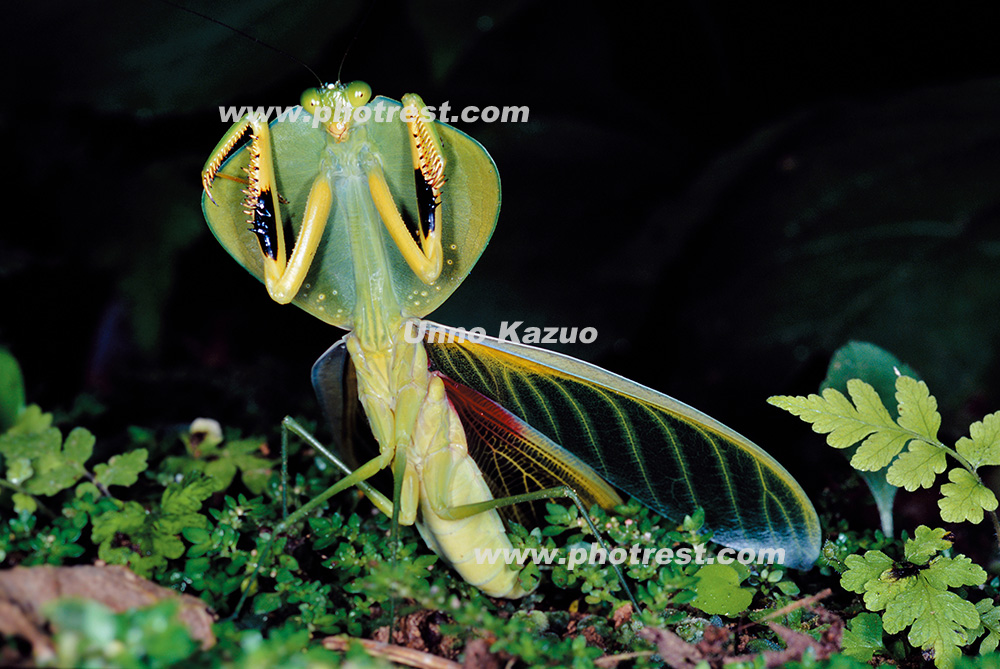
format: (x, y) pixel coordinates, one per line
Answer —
(925, 544)
(863, 637)
(983, 448)
(40, 462)
(266, 603)
(31, 445)
(24, 502)
(694, 522)
(32, 420)
(256, 479)
(846, 424)
(862, 570)
(179, 508)
(719, 591)
(87, 488)
(129, 518)
(222, 472)
(944, 572)
(79, 446)
(255, 470)
(989, 616)
(917, 467)
(790, 588)
(939, 620)
(965, 498)
(122, 469)
(88, 634)
(52, 477)
(19, 470)
(150, 536)
(187, 497)
(917, 408)
(196, 535)
(93, 622)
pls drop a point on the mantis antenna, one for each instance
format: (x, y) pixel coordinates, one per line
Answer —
(248, 36)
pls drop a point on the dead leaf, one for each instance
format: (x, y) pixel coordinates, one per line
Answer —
(796, 644)
(25, 590)
(478, 656)
(593, 638)
(14, 623)
(398, 654)
(622, 615)
(714, 641)
(421, 631)
(675, 651)
(678, 653)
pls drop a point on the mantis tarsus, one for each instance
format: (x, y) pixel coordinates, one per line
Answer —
(388, 219)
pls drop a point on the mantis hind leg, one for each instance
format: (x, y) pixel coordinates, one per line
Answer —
(354, 478)
(290, 425)
(381, 502)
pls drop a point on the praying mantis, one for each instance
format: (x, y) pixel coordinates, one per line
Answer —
(368, 214)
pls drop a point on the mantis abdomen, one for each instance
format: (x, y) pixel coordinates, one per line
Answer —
(412, 418)
(451, 479)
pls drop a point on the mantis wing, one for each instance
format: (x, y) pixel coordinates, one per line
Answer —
(515, 458)
(336, 387)
(669, 456)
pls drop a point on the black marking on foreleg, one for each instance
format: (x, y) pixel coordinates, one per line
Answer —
(264, 225)
(428, 200)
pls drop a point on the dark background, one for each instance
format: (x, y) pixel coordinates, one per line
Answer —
(726, 191)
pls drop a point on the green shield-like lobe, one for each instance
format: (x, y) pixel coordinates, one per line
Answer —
(669, 456)
(469, 209)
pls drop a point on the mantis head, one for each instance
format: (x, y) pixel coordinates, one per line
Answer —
(334, 105)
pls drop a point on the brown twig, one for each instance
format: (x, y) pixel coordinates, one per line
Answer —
(614, 660)
(392, 652)
(797, 604)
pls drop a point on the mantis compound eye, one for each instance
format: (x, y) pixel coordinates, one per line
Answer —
(310, 100)
(358, 93)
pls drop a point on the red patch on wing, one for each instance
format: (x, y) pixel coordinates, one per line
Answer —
(475, 409)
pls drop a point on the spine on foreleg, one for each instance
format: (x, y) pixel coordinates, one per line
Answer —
(450, 478)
